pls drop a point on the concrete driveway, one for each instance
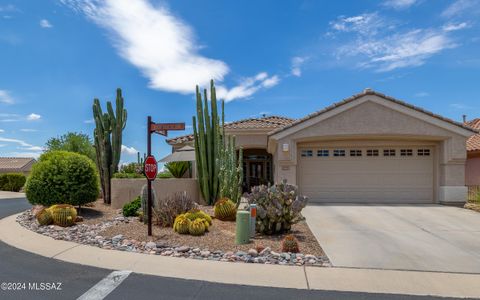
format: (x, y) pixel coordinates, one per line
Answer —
(403, 237)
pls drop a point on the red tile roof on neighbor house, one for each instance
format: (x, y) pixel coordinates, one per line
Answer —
(16, 164)
(473, 143)
(368, 91)
(270, 122)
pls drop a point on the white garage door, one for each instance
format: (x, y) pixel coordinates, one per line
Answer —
(368, 175)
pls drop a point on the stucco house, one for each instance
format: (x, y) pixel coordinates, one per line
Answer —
(368, 148)
(16, 165)
(472, 168)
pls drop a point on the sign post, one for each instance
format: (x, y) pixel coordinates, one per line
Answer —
(150, 166)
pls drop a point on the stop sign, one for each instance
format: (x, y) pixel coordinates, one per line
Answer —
(150, 168)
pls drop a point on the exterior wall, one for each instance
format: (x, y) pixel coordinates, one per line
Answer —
(375, 119)
(472, 170)
(125, 190)
(250, 138)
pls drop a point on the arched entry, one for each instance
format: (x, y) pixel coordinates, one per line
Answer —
(257, 168)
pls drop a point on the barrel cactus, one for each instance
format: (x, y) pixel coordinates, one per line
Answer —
(181, 224)
(63, 214)
(225, 210)
(290, 244)
(197, 227)
(278, 207)
(194, 214)
(44, 217)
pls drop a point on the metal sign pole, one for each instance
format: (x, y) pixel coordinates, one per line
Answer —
(149, 182)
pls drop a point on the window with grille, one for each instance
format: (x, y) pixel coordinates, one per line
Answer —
(372, 152)
(307, 153)
(406, 152)
(355, 152)
(338, 152)
(423, 152)
(389, 152)
(323, 152)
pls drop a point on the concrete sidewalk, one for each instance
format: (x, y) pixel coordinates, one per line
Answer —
(336, 279)
(11, 195)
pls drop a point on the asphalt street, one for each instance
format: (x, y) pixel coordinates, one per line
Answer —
(31, 275)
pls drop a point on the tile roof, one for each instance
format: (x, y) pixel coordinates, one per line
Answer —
(270, 122)
(371, 92)
(473, 143)
(15, 164)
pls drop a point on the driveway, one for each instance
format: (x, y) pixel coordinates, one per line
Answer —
(403, 237)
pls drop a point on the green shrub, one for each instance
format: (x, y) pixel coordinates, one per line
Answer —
(61, 177)
(177, 168)
(166, 209)
(164, 175)
(130, 209)
(127, 175)
(12, 182)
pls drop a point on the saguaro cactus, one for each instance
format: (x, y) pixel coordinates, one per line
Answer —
(108, 140)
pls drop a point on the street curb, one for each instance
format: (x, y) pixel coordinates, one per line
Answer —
(314, 278)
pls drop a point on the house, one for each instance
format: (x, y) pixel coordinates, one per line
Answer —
(368, 148)
(472, 168)
(16, 165)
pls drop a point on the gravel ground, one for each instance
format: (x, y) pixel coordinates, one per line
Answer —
(473, 206)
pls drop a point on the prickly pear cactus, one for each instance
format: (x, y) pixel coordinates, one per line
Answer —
(225, 210)
(290, 244)
(63, 214)
(44, 217)
(197, 227)
(181, 224)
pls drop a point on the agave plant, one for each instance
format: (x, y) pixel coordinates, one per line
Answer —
(177, 168)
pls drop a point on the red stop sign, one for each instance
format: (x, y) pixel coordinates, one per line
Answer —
(150, 168)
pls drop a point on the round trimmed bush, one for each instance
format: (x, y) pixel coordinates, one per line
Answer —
(61, 177)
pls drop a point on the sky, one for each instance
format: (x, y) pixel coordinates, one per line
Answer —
(287, 58)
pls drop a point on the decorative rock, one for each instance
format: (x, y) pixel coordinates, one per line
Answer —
(79, 219)
(252, 252)
(150, 245)
(205, 253)
(241, 253)
(265, 251)
(275, 254)
(182, 249)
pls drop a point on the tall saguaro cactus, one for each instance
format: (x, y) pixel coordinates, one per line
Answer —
(108, 140)
(218, 170)
(207, 135)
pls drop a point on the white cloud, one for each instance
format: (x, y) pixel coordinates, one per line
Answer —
(462, 7)
(367, 24)
(89, 121)
(399, 4)
(161, 45)
(33, 148)
(28, 130)
(460, 106)
(2, 130)
(44, 23)
(129, 150)
(454, 27)
(5, 97)
(297, 63)
(8, 8)
(247, 87)
(33, 117)
(15, 141)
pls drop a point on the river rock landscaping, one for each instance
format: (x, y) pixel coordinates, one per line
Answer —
(106, 228)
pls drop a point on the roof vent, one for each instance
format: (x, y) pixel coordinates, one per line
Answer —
(368, 91)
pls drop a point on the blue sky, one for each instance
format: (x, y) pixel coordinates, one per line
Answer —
(285, 58)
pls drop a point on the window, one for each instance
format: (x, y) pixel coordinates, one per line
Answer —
(372, 152)
(323, 152)
(406, 152)
(355, 152)
(423, 152)
(307, 153)
(338, 152)
(388, 152)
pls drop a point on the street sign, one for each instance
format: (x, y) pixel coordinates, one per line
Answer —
(150, 168)
(162, 128)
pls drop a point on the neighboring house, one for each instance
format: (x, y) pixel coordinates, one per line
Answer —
(16, 165)
(368, 148)
(472, 168)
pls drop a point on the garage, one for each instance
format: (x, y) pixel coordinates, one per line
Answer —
(387, 174)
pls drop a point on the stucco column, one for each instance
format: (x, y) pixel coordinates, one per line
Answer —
(452, 189)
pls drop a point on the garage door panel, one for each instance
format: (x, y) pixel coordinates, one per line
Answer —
(379, 179)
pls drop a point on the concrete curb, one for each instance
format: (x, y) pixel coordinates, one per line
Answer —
(338, 279)
(11, 195)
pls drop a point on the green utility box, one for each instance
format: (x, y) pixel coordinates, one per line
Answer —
(242, 235)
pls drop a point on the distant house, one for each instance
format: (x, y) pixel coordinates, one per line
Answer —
(16, 165)
(472, 167)
(367, 148)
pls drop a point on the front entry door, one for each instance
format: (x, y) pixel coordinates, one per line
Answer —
(257, 170)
